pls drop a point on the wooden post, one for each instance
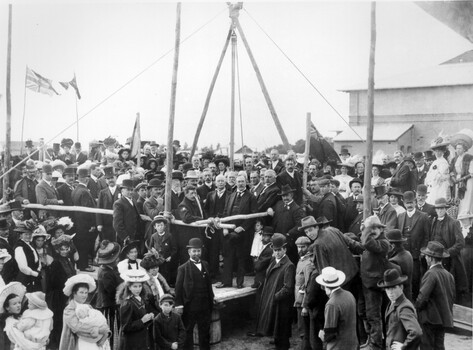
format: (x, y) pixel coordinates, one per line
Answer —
(23, 119)
(232, 112)
(263, 86)
(138, 156)
(307, 150)
(6, 165)
(209, 94)
(172, 109)
(370, 124)
(77, 118)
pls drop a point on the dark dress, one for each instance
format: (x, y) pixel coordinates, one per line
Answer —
(133, 332)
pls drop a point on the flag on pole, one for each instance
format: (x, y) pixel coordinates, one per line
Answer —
(320, 148)
(73, 83)
(135, 144)
(38, 83)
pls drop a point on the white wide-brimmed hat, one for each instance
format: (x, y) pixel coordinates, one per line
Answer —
(135, 276)
(11, 288)
(37, 299)
(80, 278)
(330, 277)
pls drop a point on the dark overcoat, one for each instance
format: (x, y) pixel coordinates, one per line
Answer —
(105, 201)
(126, 219)
(133, 332)
(417, 234)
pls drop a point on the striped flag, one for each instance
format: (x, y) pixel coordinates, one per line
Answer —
(38, 83)
(73, 83)
(135, 144)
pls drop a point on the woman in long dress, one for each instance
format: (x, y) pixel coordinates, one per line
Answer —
(76, 334)
(461, 171)
(438, 176)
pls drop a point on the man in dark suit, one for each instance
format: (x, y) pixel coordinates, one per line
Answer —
(236, 247)
(401, 259)
(213, 208)
(207, 187)
(25, 188)
(275, 163)
(415, 227)
(287, 217)
(126, 219)
(269, 194)
(355, 226)
(67, 157)
(96, 183)
(292, 178)
(405, 178)
(107, 197)
(421, 166)
(177, 195)
(194, 296)
(263, 258)
(85, 224)
(387, 214)
(422, 205)
(328, 204)
(256, 183)
(351, 211)
(436, 296)
(45, 191)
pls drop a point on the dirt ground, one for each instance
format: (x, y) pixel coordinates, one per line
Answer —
(235, 324)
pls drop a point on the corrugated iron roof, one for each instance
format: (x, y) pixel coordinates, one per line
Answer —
(381, 132)
(442, 75)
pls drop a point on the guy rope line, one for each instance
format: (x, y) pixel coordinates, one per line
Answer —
(304, 76)
(114, 93)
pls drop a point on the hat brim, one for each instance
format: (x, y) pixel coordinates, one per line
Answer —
(340, 280)
(109, 260)
(444, 144)
(428, 252)
(396, 282)
(80, 278)
(166, 221)
(127, 278)
(397, 240)
(286, 192)
(302, 228)
(33, 299)
(11, 288)
(441, 206)
(126, 249)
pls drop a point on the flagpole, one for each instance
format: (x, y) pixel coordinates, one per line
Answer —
(77, 119)
(6, 165)
(138, 156)
(23, 119)
(169, 155)
(307, 150)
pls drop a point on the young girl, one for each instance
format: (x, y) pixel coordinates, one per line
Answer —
(129, 257)
(133, 317)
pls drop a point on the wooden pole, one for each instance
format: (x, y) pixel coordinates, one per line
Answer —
(209, 94)
(23, 119)
(263, 86)
(307, 150)
(232, 112)
(77, 119)
(138, 122)
(172, 110)
(6, 165)
(370, 124)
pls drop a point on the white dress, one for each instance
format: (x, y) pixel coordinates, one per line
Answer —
(466, 204)
(438, 181)
(344, 188)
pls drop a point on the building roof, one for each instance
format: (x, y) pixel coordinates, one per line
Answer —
(442, 75)
(381, 132)
(245, 150)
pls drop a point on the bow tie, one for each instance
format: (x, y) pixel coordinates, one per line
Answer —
(195, 262)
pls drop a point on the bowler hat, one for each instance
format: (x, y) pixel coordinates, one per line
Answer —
(268, 230)
(344, 152)
(435, 249)
(441, 203)
(177, 175)
(355, 180)
(155, 183)
(380, 191)
(278, 241)
(109, 172)
(331, 277)
(395, 235)
(127, 183)
(47, 169)
(358, 199)
(408, 196)
(391, 278)
(186, 167)
(176, 143)
(285, 189)
(195, 243)
(308, 221)
(322, 220)
(69, 171)
(83, 172)
(422, 189)
(418, 155)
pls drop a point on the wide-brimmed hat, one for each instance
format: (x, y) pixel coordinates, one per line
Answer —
(441, 203)
(5, 255)
(373, 221)
(191, 174)
(195, 243)
(58, 164)
(159, 218)
(393, 191)
(134, 276)
(62, 240)
(278, 241)
(127, 246)
(330, 277)
(67, 142)
(391, 278)
(124, 150)
(11, 288)
(463, 139)
(155, 183)
(40, 231)
(395, 235)
(108, 252)
(380, 191)
(306, 222)
(177, 175)
(127, 183)
(435, 249)
(151, 261)
(80, 278)
(27, 226)
(355, 180)
(439, 142)
(222, 160)
(37, 299)
(285, 189)
(322, 220)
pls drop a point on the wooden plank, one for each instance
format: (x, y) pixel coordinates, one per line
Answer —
(463, 317)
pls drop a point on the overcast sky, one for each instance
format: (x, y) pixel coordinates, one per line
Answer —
(107, 44)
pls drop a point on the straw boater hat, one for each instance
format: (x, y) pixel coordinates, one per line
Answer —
(80, 278)
(11, 288)
(108, 252)
(159, 218)
(191, 174)
(4, 255)
(134, 276)
(435, 249)
(330, 277)
(37, 299)
(391, 278)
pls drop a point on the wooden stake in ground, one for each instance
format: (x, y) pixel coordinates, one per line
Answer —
(6, 164)
(370, 124)
(172, 110)
(307, 150)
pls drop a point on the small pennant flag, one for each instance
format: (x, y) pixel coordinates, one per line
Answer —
(65, 85)
(38, 83)
(73, 83)
(135, 144)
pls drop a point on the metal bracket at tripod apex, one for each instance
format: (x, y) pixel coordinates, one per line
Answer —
(234, 9)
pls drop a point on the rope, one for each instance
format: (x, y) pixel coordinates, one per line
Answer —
(116, 91)
(304, 76)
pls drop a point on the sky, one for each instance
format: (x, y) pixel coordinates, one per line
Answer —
(109, 44)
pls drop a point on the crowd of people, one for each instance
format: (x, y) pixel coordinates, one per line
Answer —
(132, 276)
